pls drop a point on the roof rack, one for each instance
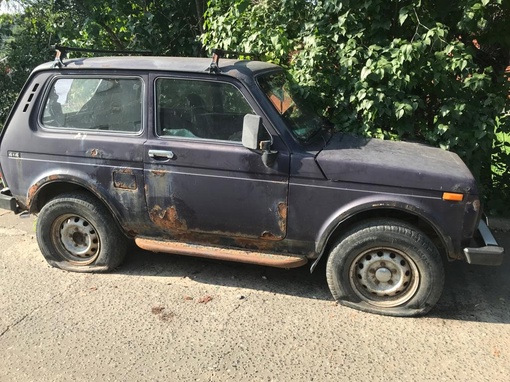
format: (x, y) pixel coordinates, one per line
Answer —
(61, 51)
(220, 53)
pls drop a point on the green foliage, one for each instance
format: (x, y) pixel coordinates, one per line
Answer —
(500, 191)
(409, 69)
(169, 27)
(25, 44)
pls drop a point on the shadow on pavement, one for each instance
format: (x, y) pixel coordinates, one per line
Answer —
(471, 293)
(475, 292)
(295, 282)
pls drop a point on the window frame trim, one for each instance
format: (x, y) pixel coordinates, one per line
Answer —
(179, 76)
(54, 79)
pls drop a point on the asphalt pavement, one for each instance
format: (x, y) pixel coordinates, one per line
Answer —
(163, 317)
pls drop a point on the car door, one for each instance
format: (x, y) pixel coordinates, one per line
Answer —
(199, 177)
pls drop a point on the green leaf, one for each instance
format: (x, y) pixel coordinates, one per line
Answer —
(403, 14)
(365, 72)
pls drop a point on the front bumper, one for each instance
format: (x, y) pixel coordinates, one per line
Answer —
(7, 201)
(490, 253)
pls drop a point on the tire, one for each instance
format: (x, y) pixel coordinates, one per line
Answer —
(386, 267)
(75, 232)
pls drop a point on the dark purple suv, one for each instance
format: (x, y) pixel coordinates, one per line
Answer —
(227, 161)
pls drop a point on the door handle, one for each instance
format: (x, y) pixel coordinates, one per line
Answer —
(161, 154)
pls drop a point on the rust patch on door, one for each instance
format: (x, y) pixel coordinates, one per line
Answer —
(167, 219)
(158, 173)
(269, 236)
(281, 212)
(282, 217)
(94, 153)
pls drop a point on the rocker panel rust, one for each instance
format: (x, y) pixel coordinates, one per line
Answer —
(228, 254)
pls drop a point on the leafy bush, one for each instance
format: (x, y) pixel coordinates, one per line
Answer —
(164, 28)
(413, 70)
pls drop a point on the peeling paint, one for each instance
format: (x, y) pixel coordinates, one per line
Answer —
(125, 179)
(167, 219)
(158, 173)
(282, 217)
(261, 245)
(97, 153)
(269, 236)
(124, 186)
(126, 170)
(282, 210)
(32, 191)
(93, 153)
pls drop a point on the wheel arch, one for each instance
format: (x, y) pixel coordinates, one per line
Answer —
(407, 213)
(50, 187)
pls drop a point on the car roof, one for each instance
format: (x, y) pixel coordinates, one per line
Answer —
(241, 69)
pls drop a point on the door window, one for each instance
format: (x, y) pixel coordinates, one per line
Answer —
(200, 109)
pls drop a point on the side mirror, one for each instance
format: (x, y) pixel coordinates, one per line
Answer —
(252, 126)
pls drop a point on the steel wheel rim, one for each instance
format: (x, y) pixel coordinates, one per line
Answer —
(76, 239)
(384, 277)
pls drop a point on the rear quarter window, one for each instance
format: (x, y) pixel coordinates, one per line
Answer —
(94, 103)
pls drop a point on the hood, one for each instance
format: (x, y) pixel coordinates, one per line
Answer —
(349, 158)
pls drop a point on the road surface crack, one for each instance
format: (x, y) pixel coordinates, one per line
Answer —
(49, 301)
(9, 327)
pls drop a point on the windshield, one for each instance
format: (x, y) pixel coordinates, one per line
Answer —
(300, 118)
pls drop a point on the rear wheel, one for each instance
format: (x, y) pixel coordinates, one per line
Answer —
(386, 267)
(75, 232)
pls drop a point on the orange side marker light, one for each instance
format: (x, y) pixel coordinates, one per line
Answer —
(453, 196)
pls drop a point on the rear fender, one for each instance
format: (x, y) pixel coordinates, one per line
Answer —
(39, 193)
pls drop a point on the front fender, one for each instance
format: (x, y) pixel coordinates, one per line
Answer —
(415, 206)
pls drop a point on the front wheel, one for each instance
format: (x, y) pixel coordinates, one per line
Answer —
(77, 233)
(386, 267)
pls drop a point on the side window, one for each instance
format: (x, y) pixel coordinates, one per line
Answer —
(113, 104)
(200, 109)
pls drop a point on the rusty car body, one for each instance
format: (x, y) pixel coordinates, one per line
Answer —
(226, 161)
